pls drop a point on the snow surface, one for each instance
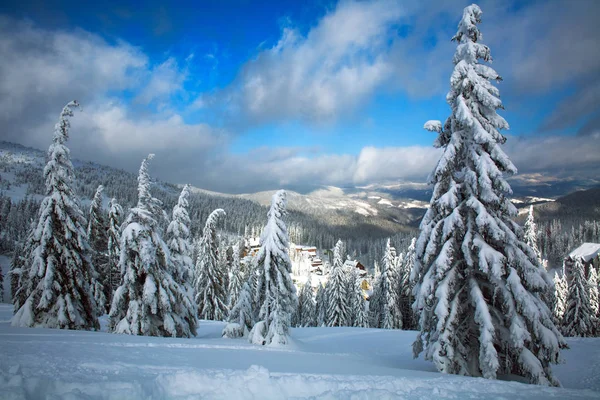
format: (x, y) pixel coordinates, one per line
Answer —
(329, 363)
(385, 202)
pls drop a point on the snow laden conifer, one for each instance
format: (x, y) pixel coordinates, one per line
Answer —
(479, 286)
(96, 232)
(530, 229)
(55, 283)
(275, 296)
(390, 315)
(180, 249)
(305, 314)
(358, 311)
(321, 306)
(594, 301)
(406, 287)
(113, 252)
(338, 306)
(19, 271)
(241, 315)
(146, 302)
(560, 298)
(236, 278)
(579, 319)
(309, 316)
(209, 280)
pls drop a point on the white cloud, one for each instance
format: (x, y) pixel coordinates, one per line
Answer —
(330, 71)
(394, 163)
(164, 80)
(40, 67)
(341, 62)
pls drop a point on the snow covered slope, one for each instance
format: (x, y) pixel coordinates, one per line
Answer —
(330, 201)
(331, 363)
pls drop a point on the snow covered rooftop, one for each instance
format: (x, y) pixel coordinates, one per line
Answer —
(586, 251)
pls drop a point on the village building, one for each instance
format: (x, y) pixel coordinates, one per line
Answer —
(589, 256)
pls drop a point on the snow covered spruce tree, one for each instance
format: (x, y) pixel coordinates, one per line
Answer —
(57, 275)
(98, 239)
(358, 311)
(19, 273)
(275, 296)
(593, 287)
(479, 289)
(391, 316)
(338, 306)
(560, 298)
(180, 249)
(530, 229)
(579, 319)
(594, 300)
(406, 287)
(113, 252)
(241, 316)
(209, 280)
(321, 306)
(383, 306)
(236, 278)
(305, 313)
(146, 302)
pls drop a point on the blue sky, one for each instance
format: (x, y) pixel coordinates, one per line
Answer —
(237, 96)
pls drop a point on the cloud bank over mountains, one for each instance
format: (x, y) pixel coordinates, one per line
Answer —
(133, 105)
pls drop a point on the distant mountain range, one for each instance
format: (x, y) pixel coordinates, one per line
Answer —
(389, 206)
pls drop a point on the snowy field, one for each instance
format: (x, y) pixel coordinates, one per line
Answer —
(328, 363)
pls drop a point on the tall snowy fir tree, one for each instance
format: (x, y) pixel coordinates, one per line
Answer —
(236, 278)
(530, 229)
(560, 298)
(275, 296)
(593, 288)
(113, 252)
(405, 289)
(338, 306)
(309, 316)
(358, 311)
(390, 314)
(146, 301)
(98, 239)
(305, 313)
(376, 302)
(579, 319)
(19, 275)
(241, 316)
(180, 249)
(57, 275)
(321, 306)
(1, 286)
(479, 286)
(209, 280)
